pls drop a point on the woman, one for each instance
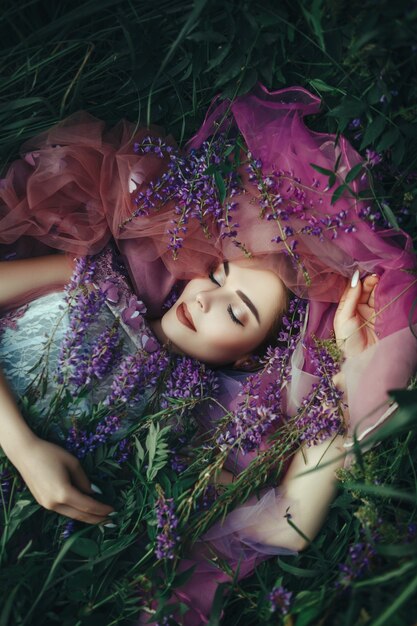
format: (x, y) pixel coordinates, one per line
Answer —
(75, 188)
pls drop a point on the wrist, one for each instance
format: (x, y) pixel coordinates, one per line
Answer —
(18, 444)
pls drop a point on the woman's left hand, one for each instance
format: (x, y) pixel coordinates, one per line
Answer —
(354, 321)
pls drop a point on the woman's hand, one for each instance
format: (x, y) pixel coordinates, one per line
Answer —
(58, 482)
(354, 321)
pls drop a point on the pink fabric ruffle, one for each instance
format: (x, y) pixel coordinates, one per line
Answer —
(72, 189)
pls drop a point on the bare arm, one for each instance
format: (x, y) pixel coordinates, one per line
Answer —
(309, 495)
(25, 275)
(53, 475)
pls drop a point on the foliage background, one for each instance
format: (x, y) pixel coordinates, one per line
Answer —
(164, 62)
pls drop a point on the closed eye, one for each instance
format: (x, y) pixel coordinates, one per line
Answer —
(235, 319)
(213, 280)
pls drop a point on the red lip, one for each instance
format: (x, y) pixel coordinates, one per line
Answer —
(184, 316)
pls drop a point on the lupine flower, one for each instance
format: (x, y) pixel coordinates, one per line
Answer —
(192, 183)
(80, 442)
(166, 523)
(189, 379)
(105, 353)
(320, 413)
(123, 452)
(358, 563)
(372, 157)
(260, 408)
(280, 600)
(136, 373)
(85, 302)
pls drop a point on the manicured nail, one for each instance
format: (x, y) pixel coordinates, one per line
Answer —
(355, 279)
(110, 525)
(113, 514)
(96, 489)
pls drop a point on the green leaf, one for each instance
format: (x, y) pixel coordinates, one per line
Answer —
(309, 616)
(323, 87)
(387, 139)
(409, 592)
(353, 173)
(221, 187)
(85, 547)
(373, 131)
(337, 193)
(322, 170)
(298, 571)
(218, 604)
(380, 491)
(389, 215)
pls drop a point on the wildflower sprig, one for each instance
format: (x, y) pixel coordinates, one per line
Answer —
(197, 184)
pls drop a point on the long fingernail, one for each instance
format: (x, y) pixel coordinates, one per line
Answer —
(96, 489)
(110, 525)
(355, 279)
(113, 514)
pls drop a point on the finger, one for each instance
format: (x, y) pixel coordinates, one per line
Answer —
(349, 302)
(80, 501)
(369, 285)
(80, 479)
(367, 313)
(80, 516)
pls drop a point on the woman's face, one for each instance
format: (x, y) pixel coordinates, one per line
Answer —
(226, 315)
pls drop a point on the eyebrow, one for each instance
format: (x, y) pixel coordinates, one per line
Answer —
(243, 296)
(249, 303)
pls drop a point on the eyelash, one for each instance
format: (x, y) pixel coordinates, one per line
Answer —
(229, 308)
(233, 316)
(213, 280)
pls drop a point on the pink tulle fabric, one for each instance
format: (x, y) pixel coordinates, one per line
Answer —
(72, 189)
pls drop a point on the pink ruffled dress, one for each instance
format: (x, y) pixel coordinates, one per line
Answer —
(73, 188)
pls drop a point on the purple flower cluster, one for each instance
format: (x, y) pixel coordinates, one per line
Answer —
(189, 379)
(320, 415)
(280, 600)
(196, 183)
(283, 198)
(373, 158)
(85, 301)
(358, 563)
(123, 452)
(260, 408)
(79, 442)
(136, 373)
(167, 523)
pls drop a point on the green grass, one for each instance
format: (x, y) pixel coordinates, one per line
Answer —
(163, 63)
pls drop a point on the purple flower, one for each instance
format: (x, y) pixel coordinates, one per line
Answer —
(68, 529)
(280, 600)
(372, 157)
(166, 523)
(136, 373)
(194, 184)
(358, 563)
(320, 415)
(81, 443)
(261, 405)
(85, 301)
(189, 379)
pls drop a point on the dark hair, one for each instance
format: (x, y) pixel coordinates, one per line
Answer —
(271, 337)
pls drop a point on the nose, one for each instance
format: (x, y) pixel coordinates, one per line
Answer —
(203, 300)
